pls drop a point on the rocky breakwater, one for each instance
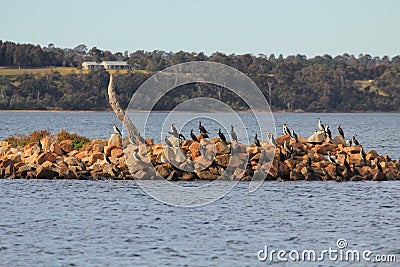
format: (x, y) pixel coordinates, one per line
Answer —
(308, 159)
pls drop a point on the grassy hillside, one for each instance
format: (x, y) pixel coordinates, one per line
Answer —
(12, 72)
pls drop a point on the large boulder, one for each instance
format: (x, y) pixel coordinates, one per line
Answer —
(115, 140)
(98, 147)
(162, 170)
(24, 169)
(47, 156)
(67, 145)
(280, 140)
(222, 148)
(317, 137)
(207, 175)
(339, 140)
(117, 152)
(371, 155)
(324, 148)
(253, 150)
(186, 144)
(95, 156)
(56, 149)
(194, 150)
(222, 160)
(45, 173)
(71, 161)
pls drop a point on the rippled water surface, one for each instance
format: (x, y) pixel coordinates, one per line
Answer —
(107, 223)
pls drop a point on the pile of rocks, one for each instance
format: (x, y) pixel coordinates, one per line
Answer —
(208, 159)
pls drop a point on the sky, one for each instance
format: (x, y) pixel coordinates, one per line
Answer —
(307, 27)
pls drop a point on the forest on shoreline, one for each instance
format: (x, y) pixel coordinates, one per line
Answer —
(343, 83)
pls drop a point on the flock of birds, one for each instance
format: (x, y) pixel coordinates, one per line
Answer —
(285, 152)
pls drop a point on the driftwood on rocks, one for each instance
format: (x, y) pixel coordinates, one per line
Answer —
(119, 112)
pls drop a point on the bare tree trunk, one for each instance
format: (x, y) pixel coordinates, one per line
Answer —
(270, 83)
(342, 81)
(119, 112)
(288, 103)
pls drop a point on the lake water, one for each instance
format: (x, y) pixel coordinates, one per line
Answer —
(107, 223)
(114, 223)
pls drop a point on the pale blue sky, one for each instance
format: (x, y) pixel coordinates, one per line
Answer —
(309, 27)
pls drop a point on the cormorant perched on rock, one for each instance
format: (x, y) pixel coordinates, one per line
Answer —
(193, 136)
(285, 129)
(378, 165)
(294, 136)
(354, 170)
(309, 167)
(39, 144)
(106, 159)
(363, 155)
(256, 141)
(287, 150)
(331, 159)
(340, 130)
(345, 163)
(82, 166)
(181, 137)
(355, 142)
(281, 156)
(221, 136)
(349, 142)
(136, 156)
(141, 139)
(233, 134)
(116, 130)
(328, 132)
(205, 135)
(202, 129)
(271, 139)
(320, 125)
(173, 131)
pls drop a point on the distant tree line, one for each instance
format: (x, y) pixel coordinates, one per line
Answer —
(294, 83)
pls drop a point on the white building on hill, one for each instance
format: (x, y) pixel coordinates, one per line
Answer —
(91, 65)
(115, 65)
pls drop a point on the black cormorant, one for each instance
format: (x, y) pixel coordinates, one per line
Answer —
(193, 136)
(116, 130)
(354, 140)
(294, 136)
(221, 136)
(202, 129)
(39, 144)
(256, 141)
(233, 134)
(320, 125)
(340, 130)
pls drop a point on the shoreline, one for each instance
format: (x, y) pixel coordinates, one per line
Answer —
(164, 111)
